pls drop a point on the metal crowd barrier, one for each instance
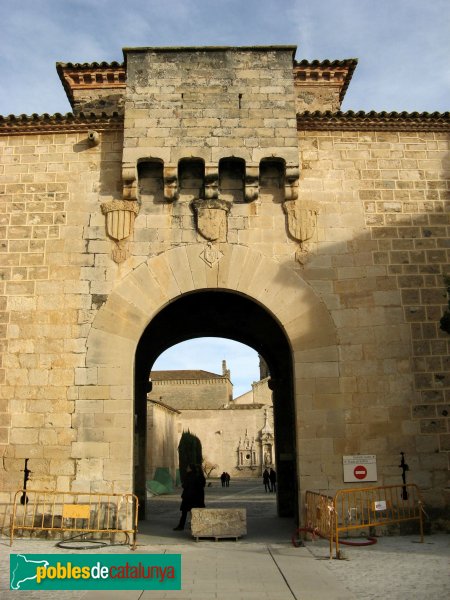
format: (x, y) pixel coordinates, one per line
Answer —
(38, 510)
(361, 508)
(319, 516)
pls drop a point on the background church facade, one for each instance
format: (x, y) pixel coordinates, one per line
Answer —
(220, 191)
(237, 434)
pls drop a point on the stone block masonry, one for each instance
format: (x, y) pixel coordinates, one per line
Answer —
(336, 224)
(49, 198)
(388, 290)
(218, 99)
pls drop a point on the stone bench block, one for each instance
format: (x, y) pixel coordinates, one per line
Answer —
(219, 522)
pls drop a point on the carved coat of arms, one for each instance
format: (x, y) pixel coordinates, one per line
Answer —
(212, 218)
(120, 215)
(301, 220)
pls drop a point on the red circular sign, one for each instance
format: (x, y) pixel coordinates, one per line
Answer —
(360, 472)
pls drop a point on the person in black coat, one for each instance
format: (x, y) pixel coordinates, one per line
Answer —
(193, 495)
(266, 481)
(273, 480)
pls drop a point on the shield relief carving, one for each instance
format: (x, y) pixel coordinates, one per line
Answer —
(212, 218)
(301, 220)
(301, 215)
(120, 216)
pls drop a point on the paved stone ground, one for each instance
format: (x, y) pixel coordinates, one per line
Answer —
(264, 564)
(163, 512)
(398, 568)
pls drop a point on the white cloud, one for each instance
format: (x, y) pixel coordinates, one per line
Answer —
(402, 45)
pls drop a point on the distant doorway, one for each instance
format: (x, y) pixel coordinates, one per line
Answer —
(234, 316)
(216, 389)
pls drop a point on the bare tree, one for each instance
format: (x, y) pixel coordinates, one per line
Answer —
(208, 467)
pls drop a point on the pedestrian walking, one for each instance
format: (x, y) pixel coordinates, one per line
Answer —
(227, 479)
(266, 481)
(223, 479)
(273, 480)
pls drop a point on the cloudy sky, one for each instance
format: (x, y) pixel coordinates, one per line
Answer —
(403, 47)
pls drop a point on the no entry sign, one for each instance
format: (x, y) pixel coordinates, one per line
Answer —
(360, 467)
(360, 472)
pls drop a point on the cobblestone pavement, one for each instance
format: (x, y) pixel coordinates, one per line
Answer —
(264, 564)
(397, 567)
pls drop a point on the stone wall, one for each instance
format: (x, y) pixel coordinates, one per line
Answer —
(209, 103)
(352, 271)
(377, 263)
(261, 392)
(163, 427)
(382, 250)
(55, 273)
(192, 393)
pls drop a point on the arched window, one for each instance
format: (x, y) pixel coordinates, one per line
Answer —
(150, 181)
(271, 174)
(191, 177)
(231, 179)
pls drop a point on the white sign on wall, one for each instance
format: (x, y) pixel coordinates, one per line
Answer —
(360, 467)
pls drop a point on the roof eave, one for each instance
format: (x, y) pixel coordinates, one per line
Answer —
(373, 121)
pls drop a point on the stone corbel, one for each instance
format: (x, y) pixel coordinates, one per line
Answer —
(211, 218)
(211, 183)
(251, 183)
(291, 183)
(129, 183)
(120, 216)
(171, 192)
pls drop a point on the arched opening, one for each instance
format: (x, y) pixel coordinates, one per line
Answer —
(271, 174)
(150, 182)
(231, 179)
(191, 175)
(217, 313)
(241, 294)
(272, 178)
(216, 389)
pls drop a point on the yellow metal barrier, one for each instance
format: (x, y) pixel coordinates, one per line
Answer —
(75, 511)
(361, 508)
(319, 511)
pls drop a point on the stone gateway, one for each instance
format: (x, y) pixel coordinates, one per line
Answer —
(219, 191)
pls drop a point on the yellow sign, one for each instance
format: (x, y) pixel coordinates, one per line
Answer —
(76, 511)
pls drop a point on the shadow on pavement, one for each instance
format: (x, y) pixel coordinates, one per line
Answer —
(263, 524)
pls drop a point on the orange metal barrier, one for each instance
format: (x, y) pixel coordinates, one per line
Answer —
(361, 508)
(75, 511)
(319, 511)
